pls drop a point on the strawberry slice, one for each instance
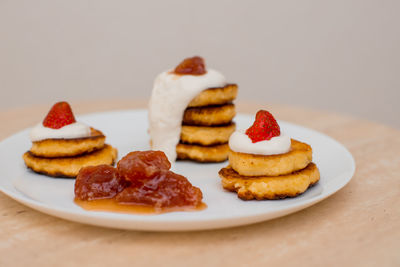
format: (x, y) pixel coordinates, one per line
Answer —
(59, 116)
(264, 127)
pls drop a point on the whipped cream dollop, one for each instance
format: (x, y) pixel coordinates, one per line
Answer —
(170, 96)
(70, 131)
(241, 142)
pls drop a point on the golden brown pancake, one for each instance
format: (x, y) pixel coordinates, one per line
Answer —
(207, 135)
(209, 116)
(269, 187)
(217, 153)
(55, 148)
(69, 166)
(215, 96)
(299, 156)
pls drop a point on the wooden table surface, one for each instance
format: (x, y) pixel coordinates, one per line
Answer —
(359, 225)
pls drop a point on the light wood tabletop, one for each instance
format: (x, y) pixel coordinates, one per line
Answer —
(357, 226)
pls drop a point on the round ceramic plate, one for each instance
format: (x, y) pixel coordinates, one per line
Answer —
(127, 131)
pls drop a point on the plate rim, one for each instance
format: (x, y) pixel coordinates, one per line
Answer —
(152, 224)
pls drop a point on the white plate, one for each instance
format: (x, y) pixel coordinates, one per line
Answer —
(127, 130)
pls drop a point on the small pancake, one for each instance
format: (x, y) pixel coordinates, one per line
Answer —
(217, 153)
(55, 148)
(209, 116)
(275, 187)
(215, 96)
(207, 135)
(299, 156)
(69, 166)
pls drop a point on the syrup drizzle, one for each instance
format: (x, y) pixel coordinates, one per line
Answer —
(113, 206)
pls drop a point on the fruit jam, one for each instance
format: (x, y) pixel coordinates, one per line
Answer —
(141, 183)
(191, 66)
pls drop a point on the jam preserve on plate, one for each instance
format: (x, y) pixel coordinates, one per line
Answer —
(141, 183)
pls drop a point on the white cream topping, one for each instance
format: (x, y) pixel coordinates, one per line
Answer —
(241, 142)
(170, 96)
(70, 131)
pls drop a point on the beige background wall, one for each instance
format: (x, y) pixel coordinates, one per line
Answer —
(336, 55)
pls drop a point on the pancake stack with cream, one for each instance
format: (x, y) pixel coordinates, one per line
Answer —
(265, 164)
(191, 112)
(61, 146)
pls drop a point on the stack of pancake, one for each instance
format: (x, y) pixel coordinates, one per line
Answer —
(273, 176)
(207, 125)
(65, 157)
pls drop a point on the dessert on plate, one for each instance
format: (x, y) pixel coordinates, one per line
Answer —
(61, 146)
(265, 164)
(191, 112)
(141, 183)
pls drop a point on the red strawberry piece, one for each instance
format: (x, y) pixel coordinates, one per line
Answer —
(59, 115)
(191, 65)
(264, 127)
